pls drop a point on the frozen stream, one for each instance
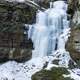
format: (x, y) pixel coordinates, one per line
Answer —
(49, 35)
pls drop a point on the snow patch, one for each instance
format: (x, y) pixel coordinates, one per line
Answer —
(74, 74)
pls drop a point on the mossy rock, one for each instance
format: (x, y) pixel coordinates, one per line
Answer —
(53, 74)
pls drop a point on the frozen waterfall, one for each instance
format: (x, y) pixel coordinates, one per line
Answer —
(40, 35)
(47, 33)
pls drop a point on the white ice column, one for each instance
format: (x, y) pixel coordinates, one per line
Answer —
(40, 36)
(61, 8)
(54, 25)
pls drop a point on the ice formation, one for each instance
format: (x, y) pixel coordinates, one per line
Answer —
(50, 32)
(49, 35)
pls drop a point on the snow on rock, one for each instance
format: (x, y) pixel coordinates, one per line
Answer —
(25, 1)
(61, 54)
(21, 71)
(16, 0)
(74, 74)
(63, 58)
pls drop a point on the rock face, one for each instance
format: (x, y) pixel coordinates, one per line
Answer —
(72, 6)
(73, 45)
(14, 44)
(74, 10)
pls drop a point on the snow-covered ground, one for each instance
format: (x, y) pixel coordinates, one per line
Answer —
(74, 74)
(20, 71)
(15, 0)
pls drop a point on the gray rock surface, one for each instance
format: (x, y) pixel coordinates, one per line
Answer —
(14, 44)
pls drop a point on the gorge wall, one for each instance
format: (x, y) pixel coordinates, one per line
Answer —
(15, 45)
(73, 45)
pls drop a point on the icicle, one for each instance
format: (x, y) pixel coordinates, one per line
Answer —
(51, 4)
